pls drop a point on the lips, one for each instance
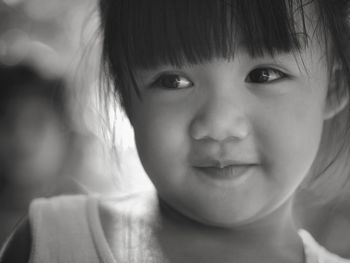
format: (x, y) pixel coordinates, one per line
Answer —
(226, 172)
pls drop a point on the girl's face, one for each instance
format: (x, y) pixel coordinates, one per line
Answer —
(229, 141)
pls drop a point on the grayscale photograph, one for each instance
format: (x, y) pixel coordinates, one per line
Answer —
(174, 131)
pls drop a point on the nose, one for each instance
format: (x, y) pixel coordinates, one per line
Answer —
(221, 118)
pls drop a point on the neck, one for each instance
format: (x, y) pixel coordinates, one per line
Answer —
(273, 238)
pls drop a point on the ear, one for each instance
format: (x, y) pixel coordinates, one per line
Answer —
(337, 95)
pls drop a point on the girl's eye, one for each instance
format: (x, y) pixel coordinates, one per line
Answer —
(265, 75)
(172, 81)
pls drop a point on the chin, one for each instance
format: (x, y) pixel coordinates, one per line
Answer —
(221, 219)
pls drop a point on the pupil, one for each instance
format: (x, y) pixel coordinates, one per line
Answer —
(171, 82)
(176, 82)
(264, 75)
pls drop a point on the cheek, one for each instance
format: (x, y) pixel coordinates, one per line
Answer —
(161, 138)
(289, 136)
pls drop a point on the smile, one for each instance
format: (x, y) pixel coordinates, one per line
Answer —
(227, 172)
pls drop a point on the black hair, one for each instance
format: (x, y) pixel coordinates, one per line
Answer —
(144, 34)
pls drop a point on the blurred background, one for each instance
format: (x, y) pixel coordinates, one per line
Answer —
(54, 138)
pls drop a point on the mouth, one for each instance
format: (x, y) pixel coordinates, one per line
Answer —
(226, 172)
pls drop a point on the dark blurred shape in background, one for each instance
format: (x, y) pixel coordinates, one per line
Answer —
(35, 139)
(46, 146)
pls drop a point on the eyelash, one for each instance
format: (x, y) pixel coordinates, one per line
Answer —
(174, 81)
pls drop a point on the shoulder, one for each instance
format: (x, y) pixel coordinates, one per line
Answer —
(314, 252)
(43, 212)
(52, 210)
(61, 201)
(18, 246)
(47, 215)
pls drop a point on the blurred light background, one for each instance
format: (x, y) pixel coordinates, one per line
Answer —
(59, 39)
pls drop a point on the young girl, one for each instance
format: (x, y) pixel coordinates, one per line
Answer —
(228, 100)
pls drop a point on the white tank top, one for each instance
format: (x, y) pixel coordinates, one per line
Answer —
(67, 229)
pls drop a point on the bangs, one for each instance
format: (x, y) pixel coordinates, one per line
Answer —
(145, 34)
